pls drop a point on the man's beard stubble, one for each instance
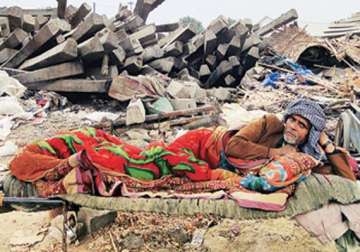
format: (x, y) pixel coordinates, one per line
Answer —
(293, 139)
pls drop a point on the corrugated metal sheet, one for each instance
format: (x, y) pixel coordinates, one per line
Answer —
(343, 27)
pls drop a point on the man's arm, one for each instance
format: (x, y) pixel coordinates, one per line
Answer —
(244, 144)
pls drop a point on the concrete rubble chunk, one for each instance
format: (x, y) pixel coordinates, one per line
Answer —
(175, 49)
(29, 23)
(80, 15)
(108, 39)
(222, 69)
(63, 52)
(252, 40)
(15, 15)
(46, 33)
(164, 65)
(284, 19)
(60, 71)
(184, 89)
(204, 72)
(61, 9)
(152, 52)
(15, 39)
(135, 112)
(210, 42)
(91, 49)
(40, 21)
(6, 53)
(69, 12)
(94, 220)
(221, 51)
(4, 26)
(218, 25)
(71, 86)
(183, 34)
(118, 55)
(87, 28)
(146, 35)
(229, 80)
(183, 103)
(131, 46)
(133, 64)
(167, 27)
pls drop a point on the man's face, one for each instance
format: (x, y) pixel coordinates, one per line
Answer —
(296, 130)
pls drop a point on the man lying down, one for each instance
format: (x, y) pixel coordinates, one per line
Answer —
(266, 156)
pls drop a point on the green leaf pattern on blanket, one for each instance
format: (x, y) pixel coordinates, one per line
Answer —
(46, 146)
(155, 152)
(69, 140)
(192, 157)
(151, 155)
(88, 131)
(139, 173)
(163, 166)
(183, 167)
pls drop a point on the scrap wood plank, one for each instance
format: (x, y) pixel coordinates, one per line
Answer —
(169, 115)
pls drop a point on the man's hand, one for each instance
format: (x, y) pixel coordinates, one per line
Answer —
(323, 138)
(325, 143)
(286, 149)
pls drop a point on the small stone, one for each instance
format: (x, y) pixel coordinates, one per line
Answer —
(133, 241)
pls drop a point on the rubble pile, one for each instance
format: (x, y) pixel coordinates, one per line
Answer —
(73, 49)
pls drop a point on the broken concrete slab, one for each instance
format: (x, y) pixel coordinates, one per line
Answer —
(63, 52)
(135, 112)
(51, 73)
